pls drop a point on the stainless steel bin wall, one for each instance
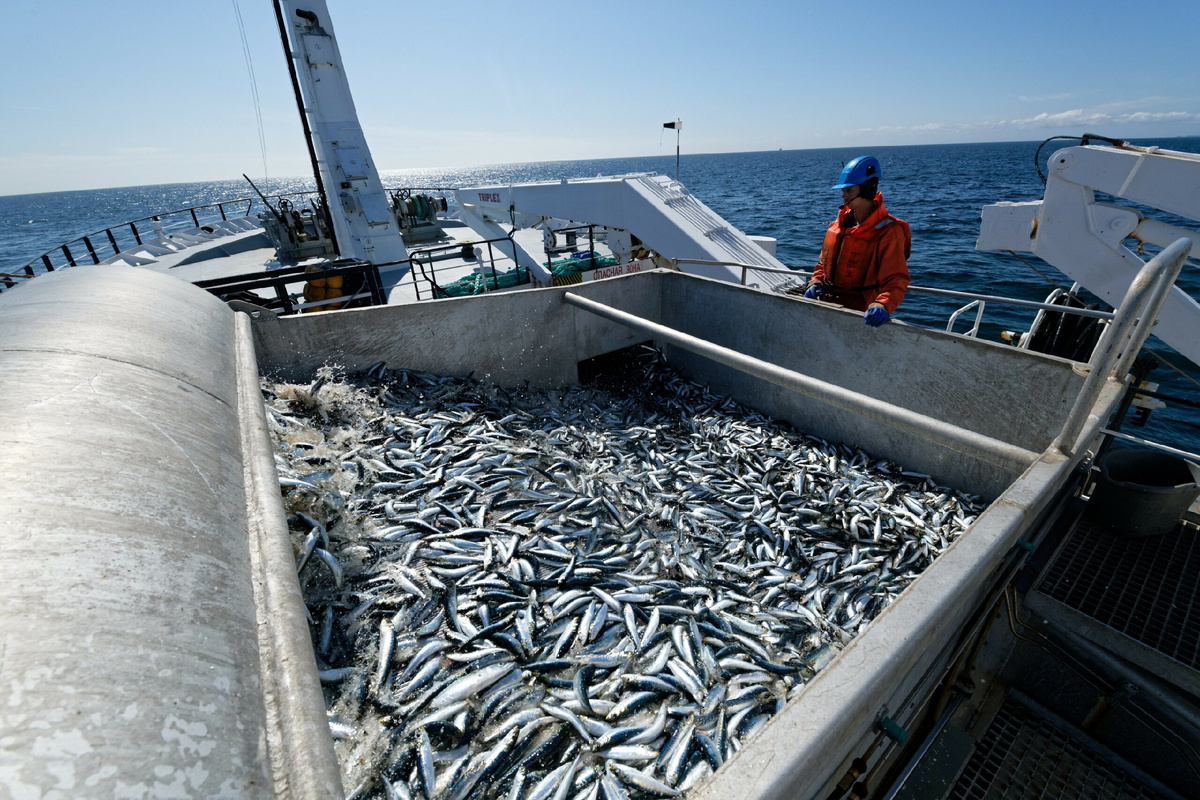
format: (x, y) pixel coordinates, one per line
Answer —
(1016, 396)
(533, 336)
(133, 660)
(508, 338)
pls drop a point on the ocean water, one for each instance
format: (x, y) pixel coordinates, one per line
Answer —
(938, 189)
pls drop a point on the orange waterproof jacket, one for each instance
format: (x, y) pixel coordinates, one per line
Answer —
(867, 263)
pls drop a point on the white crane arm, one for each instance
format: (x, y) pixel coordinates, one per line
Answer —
(1089, 241)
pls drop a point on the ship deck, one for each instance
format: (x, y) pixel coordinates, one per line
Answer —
(1089, 683)
(1028, 751)
(250, 252)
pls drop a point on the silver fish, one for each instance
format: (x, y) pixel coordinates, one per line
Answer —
(518, 577)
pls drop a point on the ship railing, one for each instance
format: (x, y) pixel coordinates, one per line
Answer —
(1123, 339)
(426, 259)
(248, 287)
(973, 331)
(975, 299)
(282, 297)
(571, 242)
(95, 247)
(92, 248)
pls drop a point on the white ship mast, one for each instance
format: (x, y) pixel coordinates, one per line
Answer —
(363, 224)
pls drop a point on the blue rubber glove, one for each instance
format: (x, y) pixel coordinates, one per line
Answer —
(876, 315)
(813, 292)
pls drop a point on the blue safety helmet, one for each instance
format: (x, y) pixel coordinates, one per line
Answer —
(859, 171)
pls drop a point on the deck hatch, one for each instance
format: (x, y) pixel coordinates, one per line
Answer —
(1025, 755)
(1146, 588)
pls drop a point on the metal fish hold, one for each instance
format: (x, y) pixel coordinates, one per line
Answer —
(526, 594)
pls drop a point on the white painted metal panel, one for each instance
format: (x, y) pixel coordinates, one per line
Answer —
(362, 217)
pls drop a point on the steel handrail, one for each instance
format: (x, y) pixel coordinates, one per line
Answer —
(591, 231)
(1175, 451)
(987, 298)
(1130, 327)
(974, 331)
(85, 239)
(420, 258)
(280, 279)
(1158, 296)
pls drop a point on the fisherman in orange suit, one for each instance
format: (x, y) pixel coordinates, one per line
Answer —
(864, 258)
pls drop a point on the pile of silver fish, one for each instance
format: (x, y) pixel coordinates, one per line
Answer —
(576, 593)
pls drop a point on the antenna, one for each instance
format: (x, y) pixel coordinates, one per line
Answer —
(677, 125)
(262, 139)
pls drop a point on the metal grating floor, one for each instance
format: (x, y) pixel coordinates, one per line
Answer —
(1146, 588)
(1022, 755)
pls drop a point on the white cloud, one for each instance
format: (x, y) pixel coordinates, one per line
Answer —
(1071, 118)
(1160, 116)
(1078, 116)
(1075, 116)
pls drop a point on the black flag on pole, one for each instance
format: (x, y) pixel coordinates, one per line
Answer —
(673, 125)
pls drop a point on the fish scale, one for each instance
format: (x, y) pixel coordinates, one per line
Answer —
(577, 561)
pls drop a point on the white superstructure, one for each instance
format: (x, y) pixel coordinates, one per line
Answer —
(663, 215)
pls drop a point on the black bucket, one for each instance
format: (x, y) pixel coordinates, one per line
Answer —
(1141, 493)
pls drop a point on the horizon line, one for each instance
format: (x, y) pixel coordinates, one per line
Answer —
(605, 158)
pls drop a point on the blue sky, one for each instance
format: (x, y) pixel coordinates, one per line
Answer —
(125, 93)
